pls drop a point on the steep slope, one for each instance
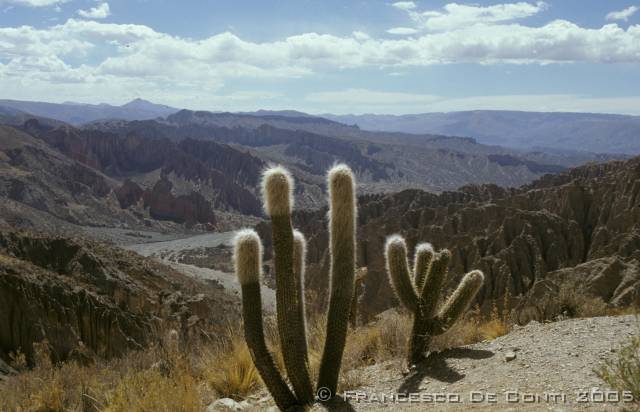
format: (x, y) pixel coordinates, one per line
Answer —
(69, 290)
(383, 161)
(225, 176)
(91, 178)
(37, 181)
(516, 236)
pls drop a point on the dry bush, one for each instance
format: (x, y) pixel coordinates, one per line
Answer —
(229, 369)
(160, 378)
(498, 323)
(48, 387)
(571, 301)
(623, 373)
(151, 390)
(379, 341)
(623, 311)
(174, 376)
(476, 327)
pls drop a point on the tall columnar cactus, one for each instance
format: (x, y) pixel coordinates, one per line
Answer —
(342, 240)
(289, 248)
(277, 188)
(248, 267)
(421, 295)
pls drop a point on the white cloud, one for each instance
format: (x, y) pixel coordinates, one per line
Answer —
(457, 16)
(361, 36)
(404, 5)
(125, 59)
(402, 31)
(623, 14)
(359, 101)
(33, 3)
(360, 97)
(101, 11)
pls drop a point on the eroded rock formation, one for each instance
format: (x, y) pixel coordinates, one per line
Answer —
(558, 224)
(70, 290)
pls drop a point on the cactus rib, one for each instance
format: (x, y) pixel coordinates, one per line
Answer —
(430, 277)
(342, 228)
(248, 262)
(277, 187)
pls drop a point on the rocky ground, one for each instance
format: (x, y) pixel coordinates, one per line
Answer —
(522, 370)
(536, 367)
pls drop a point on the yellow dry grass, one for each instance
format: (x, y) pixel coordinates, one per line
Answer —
(175, 377)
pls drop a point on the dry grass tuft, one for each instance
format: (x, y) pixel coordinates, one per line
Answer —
(151, 390)
(229, 369)
(623, 373)
(476, 327)
(571, 302)
(174, 376)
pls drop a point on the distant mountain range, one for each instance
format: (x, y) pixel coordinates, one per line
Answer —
(555, 133)
(79, 113)
(599, 133)
(202, 169)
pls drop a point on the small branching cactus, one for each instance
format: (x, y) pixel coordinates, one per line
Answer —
(289, 248)
(421, 295)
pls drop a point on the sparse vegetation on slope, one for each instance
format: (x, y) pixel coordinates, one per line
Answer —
(623, 372)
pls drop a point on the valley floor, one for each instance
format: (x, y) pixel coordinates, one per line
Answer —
(554, 369)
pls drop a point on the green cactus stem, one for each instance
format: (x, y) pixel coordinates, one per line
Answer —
(423, 295)
(289, 249)
(277, 186)
(248, 266)
(342, 231)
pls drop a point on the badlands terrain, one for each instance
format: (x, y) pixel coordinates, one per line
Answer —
(115, 229)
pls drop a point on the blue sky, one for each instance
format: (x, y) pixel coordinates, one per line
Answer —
(326, 56)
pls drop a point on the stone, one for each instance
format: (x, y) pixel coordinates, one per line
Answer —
(226, 405)
(509, 356)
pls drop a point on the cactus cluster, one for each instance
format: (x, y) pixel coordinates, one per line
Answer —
(289, 258)
(421, 294)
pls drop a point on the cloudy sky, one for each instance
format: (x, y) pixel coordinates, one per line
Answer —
(324, 56)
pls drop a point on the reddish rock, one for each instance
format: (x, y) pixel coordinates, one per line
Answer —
(188, 209)
(128, 194)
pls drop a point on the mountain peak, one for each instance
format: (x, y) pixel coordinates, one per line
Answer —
(139, 103)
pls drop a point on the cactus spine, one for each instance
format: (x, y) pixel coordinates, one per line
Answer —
(278, 194)
(423, 294)
(248, 266)
(342, 231)
(289, 257)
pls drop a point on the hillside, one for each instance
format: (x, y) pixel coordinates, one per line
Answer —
(598, 133)
(384, 161)
(583, 225)
(69, 290)
(79, 113)
(554, 369)
(200, 170)
(101, 180)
